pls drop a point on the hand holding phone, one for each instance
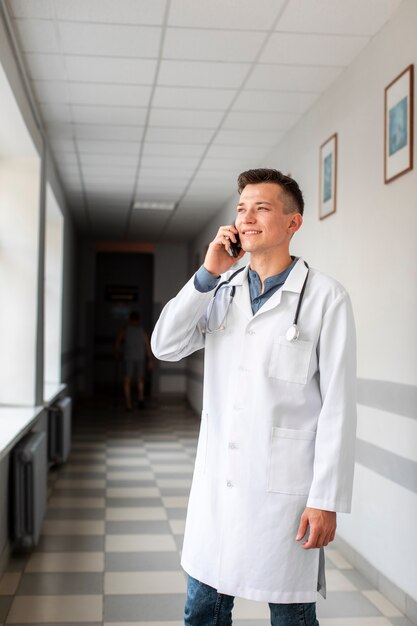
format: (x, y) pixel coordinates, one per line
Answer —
(235, 248)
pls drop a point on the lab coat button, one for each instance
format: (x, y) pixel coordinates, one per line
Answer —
(232, 445)
(251, 332)
(229, 483)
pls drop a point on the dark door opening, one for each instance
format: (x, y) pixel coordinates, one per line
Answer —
(124, 283)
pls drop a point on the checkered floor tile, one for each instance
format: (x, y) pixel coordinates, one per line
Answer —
(110, 546)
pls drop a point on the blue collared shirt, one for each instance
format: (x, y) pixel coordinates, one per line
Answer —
(204, 282)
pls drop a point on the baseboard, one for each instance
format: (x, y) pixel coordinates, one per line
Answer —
(402, 600)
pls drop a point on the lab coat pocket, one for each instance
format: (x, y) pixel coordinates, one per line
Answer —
(290, 360)
(291, 461)
(201, 455)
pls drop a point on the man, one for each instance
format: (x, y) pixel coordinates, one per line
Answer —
(275, 454)
(135, 346)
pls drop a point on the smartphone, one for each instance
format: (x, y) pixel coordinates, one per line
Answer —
(235, 248)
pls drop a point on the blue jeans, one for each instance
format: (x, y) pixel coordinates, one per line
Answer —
(205, 607)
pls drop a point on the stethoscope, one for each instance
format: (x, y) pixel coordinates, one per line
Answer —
(292, 333)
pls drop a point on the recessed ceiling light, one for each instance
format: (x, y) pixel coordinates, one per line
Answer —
(153, 205)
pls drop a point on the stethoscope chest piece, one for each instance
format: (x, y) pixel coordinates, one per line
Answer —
(292, 333)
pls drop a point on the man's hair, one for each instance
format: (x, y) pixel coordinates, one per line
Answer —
(293, 198)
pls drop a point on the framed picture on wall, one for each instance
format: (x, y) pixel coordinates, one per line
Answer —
(398, 125)
(328, 177)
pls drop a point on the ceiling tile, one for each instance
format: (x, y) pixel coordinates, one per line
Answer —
(212, 45)
(45, 66)
(337, 16)
(292, 78)
(189, 135)
(162, 173)
(37, 36)
(260, 121)
(188, 98)
(276, 101)
(40, 9)
(109, 147)
(245, 14)
(115, 70)
(304, 49)
(56, 112)
(109, 40)
(109, 160)
(124, 116)
(234, 152)
(176, 162)
(109, 11)
(182, 118)
(103, 132)
(169, 149)
(245, 137)
(99, 94)
(202, 74)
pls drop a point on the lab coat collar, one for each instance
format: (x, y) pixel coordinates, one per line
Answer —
(294, 283)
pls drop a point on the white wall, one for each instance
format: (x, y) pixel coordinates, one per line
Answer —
(370, 246)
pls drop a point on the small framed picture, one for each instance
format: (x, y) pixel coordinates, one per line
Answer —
(398, 125)
(328, 177)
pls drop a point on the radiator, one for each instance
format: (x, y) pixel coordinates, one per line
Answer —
(29, 491)
(59, 431)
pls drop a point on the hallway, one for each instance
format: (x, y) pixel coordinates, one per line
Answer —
(110, 546)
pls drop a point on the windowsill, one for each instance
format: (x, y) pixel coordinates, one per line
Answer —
(14, 423)
(51, 391)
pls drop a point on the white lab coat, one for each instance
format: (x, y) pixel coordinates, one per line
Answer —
(277, 432)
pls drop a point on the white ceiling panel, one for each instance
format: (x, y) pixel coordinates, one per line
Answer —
(68, 158)
(37, 36)
(114, 70)
(39, 9)
(183, 118)
(186, 98)
(163, 173)
(110, 95)
(109, 40)
(56, 112)
(212, 45)
(149, 161)
(305, 49)
(95, 131)
(86, 114)
(202, 74)
(45, 66)
(100, 94)
(274, 101)
(172, 135)
(106, 131)
(108, 160)
(169, 149)
(260, 121)
(245, 14)
(292, 78)
(355, 17)
(109, 147)
(109, 11)
(61, 145)
(245, 137)
(234, 152)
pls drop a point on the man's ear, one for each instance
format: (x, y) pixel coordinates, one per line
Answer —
(295, 222)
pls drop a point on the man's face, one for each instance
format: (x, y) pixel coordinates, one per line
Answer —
(261, 221)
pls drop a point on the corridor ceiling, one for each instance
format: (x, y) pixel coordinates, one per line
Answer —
(168, 100)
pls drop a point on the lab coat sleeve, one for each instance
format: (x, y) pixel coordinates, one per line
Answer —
(181, 325)
(334, 459)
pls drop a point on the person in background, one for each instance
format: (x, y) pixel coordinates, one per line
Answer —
(136, 348)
